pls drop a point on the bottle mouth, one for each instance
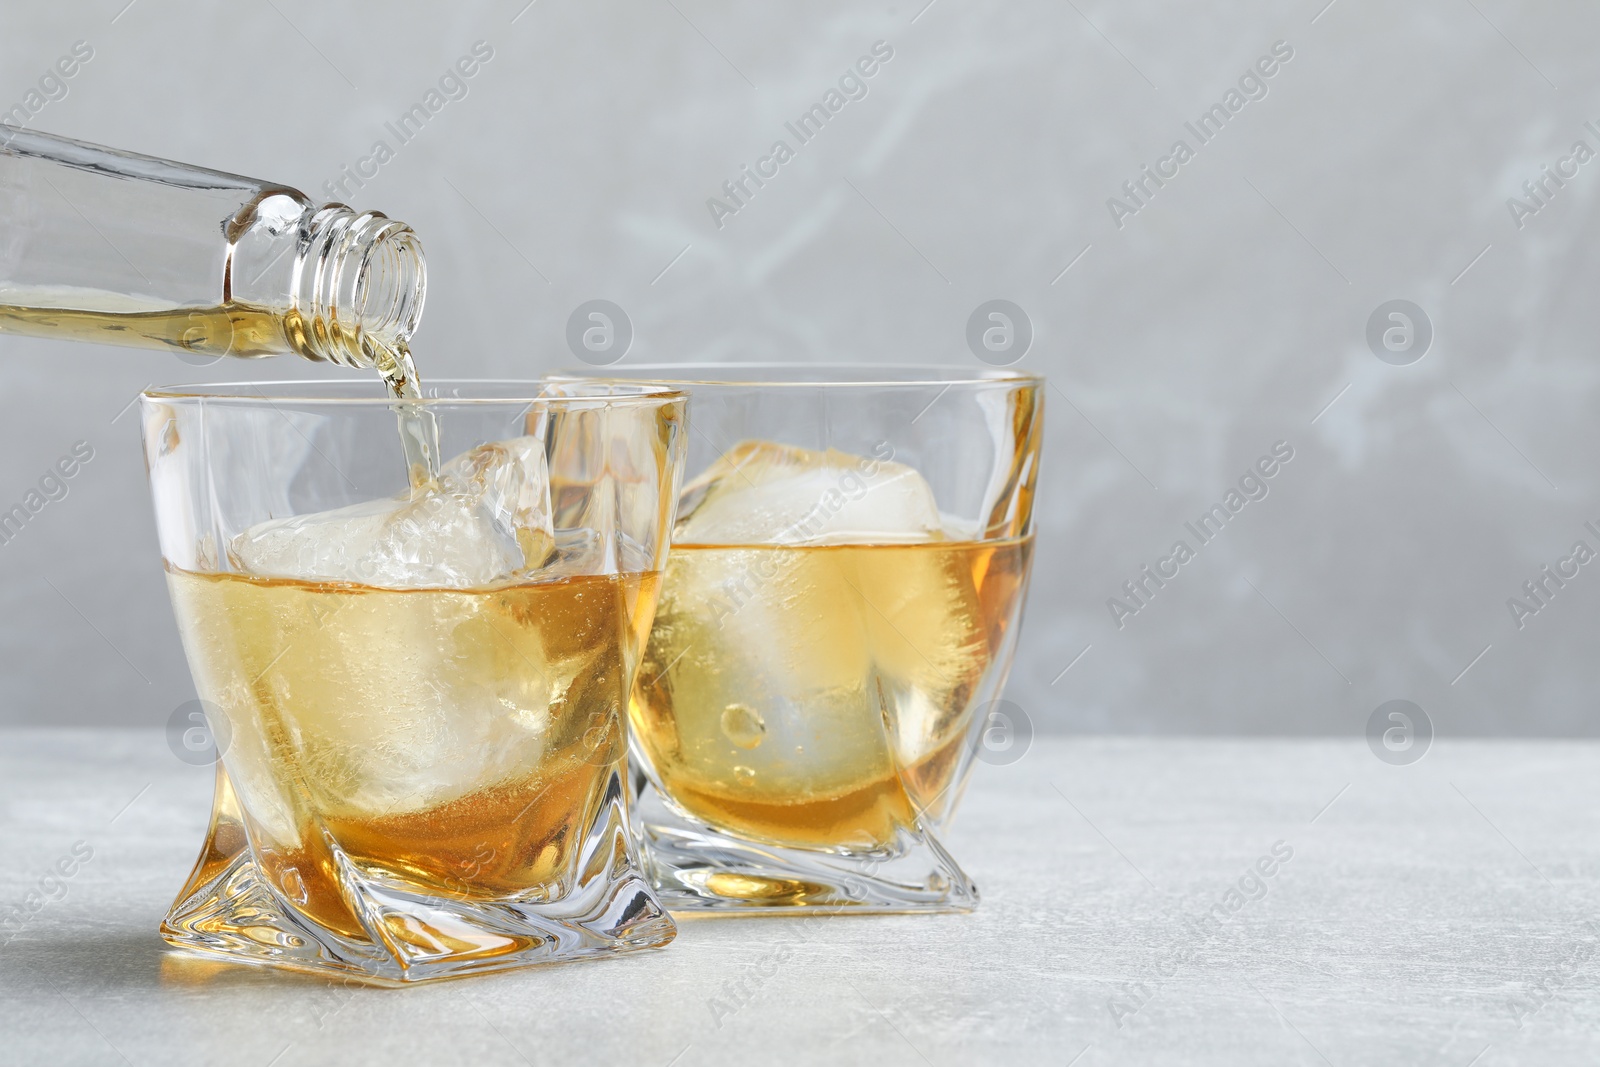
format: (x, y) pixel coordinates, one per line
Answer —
(392, 284)
(362, 281)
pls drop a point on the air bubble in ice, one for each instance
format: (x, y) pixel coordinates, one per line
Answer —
(743, 726)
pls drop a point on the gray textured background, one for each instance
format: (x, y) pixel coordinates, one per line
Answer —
(1224, 316)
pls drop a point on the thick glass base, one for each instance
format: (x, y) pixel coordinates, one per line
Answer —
(697, 869)
(229, 909)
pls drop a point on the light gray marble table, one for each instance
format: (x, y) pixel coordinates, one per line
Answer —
(1438, 913)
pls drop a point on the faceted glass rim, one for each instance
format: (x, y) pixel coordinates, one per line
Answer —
(792, 375)
(351, 392)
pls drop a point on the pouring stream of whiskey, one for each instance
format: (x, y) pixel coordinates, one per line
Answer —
(419, 428)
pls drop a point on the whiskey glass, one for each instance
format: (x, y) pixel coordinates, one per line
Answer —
(418, 691)
(838, 615)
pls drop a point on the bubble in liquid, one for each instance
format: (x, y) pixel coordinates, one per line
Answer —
(743, 726)
(745, 775)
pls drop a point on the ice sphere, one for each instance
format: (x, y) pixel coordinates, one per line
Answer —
(760, 492)
(820, 630)
(486, 518)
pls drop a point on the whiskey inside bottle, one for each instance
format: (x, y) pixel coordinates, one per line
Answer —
(106, 318)
(230, 329)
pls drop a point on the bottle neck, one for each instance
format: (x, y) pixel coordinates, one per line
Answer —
(358, 282)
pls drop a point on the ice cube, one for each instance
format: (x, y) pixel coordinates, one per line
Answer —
(485, 519)
(760, 492)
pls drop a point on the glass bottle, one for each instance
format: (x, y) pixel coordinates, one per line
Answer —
(102, 245)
